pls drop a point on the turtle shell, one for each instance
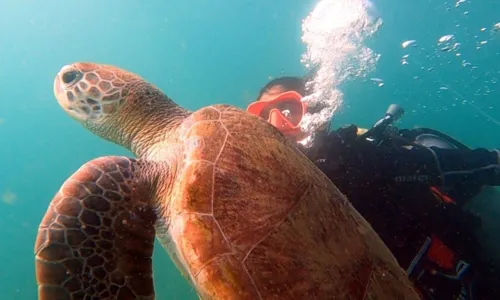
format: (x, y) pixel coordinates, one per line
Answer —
(251, 217)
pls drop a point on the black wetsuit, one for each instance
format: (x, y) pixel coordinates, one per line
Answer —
(391, 188)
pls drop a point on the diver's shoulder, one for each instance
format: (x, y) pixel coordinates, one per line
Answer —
(335, 140)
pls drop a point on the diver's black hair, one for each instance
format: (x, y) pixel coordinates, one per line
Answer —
(290, 83)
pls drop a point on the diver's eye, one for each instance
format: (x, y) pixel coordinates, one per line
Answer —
(71, 76)
(287, 113)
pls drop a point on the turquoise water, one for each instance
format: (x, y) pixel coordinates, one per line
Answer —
(203, 52)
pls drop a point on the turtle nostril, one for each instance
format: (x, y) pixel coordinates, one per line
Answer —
(71, 76)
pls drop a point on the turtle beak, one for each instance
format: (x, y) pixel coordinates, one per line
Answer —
(60, 92)
(57, 86)
(66, 97)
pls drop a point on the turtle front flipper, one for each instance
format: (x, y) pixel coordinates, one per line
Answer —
(96, 239)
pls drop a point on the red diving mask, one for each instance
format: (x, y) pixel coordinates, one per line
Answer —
(284, 112)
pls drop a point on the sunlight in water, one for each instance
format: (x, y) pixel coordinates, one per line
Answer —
(8, 197)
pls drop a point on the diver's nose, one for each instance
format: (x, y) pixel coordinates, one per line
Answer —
(276, 119)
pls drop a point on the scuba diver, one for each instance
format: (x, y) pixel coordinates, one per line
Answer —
(410, 185)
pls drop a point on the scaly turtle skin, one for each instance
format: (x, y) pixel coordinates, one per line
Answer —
(242, 212)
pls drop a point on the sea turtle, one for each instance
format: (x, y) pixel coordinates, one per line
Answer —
(242, 212)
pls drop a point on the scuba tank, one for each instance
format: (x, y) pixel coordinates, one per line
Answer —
(382, 128)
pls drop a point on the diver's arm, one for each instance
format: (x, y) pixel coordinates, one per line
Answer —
(342, 156)
(435, 166)
(479, 166)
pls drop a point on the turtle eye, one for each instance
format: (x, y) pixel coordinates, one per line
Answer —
(71, 76)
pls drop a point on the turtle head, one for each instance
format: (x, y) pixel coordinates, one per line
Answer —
(90, 93)
(115, 104)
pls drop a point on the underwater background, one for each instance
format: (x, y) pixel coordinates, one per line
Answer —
(204, 52)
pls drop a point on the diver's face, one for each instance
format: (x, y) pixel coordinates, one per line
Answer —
(284, 113)
(272, 93)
